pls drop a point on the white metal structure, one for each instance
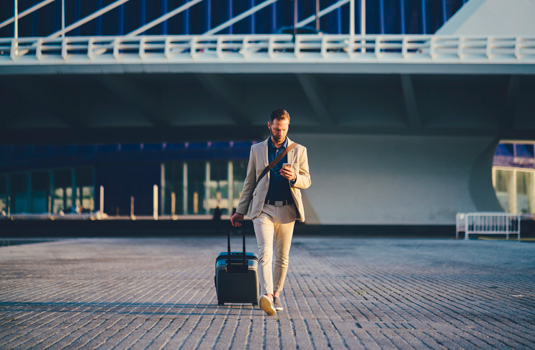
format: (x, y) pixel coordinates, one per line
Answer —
(25, 13)
(418, 49)
(488, 224)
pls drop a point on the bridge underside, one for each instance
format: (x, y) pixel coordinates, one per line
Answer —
(383, 148)
(186, 107)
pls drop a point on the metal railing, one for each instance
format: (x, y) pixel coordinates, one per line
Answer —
(419, 49)
(488, 224)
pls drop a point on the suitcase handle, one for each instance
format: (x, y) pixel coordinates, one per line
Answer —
(228, 243)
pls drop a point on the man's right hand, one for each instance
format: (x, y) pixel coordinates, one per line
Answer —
(235, 219)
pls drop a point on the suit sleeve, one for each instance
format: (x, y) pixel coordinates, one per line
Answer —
(302, 180)
(248, 186)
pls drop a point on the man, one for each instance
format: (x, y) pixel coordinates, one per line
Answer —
(274, 205)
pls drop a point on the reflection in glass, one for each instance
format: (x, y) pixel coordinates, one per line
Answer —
(501, 186)
(40, 192)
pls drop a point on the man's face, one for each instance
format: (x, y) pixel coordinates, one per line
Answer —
(279, 130)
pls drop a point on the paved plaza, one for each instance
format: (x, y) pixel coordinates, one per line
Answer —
(341, 293)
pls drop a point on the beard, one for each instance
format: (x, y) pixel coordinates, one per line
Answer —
(277, 139)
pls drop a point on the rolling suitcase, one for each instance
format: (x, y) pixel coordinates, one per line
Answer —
(236, 276)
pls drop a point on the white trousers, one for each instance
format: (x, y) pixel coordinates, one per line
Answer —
(274, 226)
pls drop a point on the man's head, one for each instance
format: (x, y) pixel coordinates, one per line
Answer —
(278, 126)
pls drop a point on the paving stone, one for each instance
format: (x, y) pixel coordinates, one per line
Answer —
(341, 293)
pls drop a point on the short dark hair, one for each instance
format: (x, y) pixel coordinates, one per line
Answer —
(280, 114)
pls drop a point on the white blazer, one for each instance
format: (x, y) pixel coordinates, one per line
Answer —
(252, 199)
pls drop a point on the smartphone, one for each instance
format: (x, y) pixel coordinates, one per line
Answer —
(287, 165)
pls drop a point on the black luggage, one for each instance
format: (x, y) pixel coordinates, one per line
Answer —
(236, 278)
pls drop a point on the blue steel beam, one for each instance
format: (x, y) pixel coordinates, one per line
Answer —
(424, 17)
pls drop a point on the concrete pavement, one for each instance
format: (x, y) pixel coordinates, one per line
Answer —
(341, 293)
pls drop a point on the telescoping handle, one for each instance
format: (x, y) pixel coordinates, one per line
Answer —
(228, 244)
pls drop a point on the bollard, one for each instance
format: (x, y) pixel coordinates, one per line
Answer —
(173, 205)
(132, 216)
(49, 206)
(155, 202)
(101, 210)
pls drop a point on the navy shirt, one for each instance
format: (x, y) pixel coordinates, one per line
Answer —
(279, 186)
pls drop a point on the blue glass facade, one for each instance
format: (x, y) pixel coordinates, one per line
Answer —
(193, 178)
(382, 16)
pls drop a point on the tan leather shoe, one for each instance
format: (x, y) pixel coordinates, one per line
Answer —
(267, 305)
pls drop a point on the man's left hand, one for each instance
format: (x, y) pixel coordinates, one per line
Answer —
(288, 173)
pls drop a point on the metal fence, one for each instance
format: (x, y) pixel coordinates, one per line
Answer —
(488, 224)
(419, 49)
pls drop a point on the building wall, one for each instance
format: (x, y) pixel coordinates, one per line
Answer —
(363, 179)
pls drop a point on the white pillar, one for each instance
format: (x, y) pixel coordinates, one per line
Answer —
(162, 187)
(230, 179)
(132, 215)
(173, 205)
(185, 188)
(207, 188)
(16, 24)
(101, 209)
(362, 17)
(363, 23)
(352, 18)
(155, 202)
(63, 18)
(512, 193)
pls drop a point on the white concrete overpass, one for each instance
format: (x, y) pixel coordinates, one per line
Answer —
(401, 130)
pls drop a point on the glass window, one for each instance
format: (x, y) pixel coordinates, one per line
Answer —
(524, 191)
(62, 201)
(239, 174)
(85, 190)
(502, 184)
(196, 188)
(218, 187)
(20, 193)
(40, 192)
(173, 189)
